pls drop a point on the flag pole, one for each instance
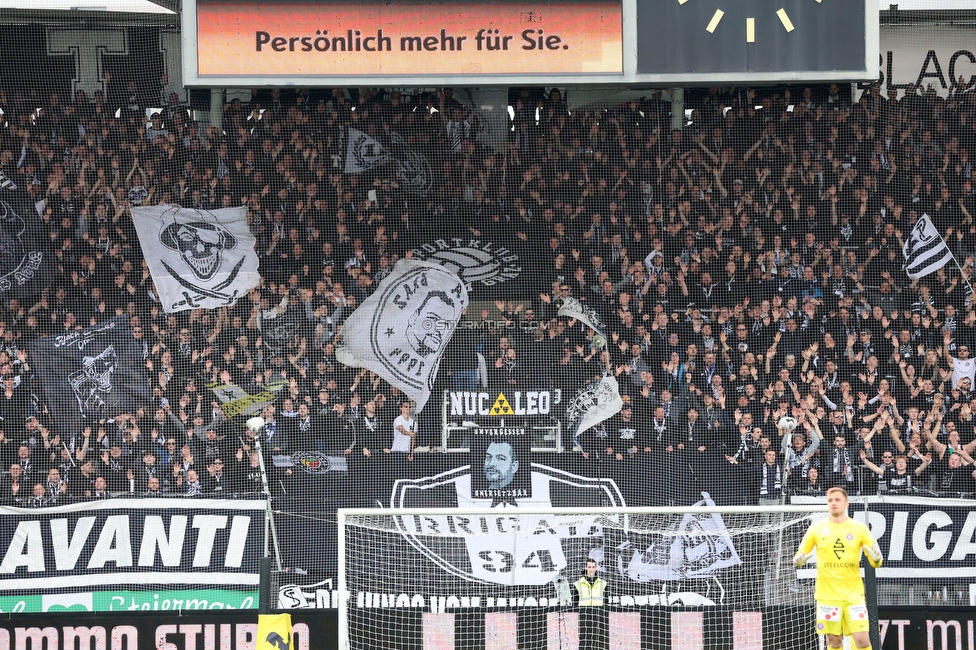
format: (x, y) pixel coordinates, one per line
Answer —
(256, 425)
(962, 273)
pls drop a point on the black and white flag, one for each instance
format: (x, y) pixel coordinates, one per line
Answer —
(401, 331)
(925, 251)
(285, 330)
(26, 265)
(594, 403)
(103, 368)
(698, 546)
(197, 258)
(364, 152)
(573, 308)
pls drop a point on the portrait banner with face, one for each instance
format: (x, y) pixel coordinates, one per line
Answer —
(401, 331)
(197, 258)
(500, 465)
(102, 367)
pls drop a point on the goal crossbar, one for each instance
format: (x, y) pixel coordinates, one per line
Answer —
(345, 515)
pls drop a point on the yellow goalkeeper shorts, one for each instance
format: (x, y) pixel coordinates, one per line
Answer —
(842, 618)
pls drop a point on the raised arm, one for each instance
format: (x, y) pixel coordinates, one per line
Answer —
(871, 466)
(946, 339)
(926, 461)
(934, 440)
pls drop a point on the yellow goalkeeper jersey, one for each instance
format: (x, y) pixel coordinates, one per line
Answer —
(838, 559)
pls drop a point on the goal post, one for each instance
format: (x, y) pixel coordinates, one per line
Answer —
(694, 577)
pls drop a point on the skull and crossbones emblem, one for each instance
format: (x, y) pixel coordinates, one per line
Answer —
(200, 244)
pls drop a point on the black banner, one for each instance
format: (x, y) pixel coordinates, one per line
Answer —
(489, 267)
(102, 367)
(164, 544)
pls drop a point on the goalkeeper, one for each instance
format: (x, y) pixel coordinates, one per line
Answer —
(838, 540)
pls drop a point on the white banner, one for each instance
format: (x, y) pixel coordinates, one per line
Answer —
(403, 328)
(923, 55)
(163, 541)
(197, 258)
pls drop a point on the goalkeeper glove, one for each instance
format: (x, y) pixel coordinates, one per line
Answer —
(801, 558)
(873, 553)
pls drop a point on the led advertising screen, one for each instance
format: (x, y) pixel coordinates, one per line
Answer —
(252, 43)
(417, 37)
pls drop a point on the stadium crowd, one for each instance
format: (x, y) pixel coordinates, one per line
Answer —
(747, 268)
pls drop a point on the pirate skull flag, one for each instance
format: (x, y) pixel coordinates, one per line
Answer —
(102, 367)
(403, 328)
(364, 152)
(25, 267)
(197, 258)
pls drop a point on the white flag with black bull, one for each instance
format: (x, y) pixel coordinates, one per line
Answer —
(925, 251)
(573, 308)
(403, 328)
(594, 403)
(198, 258)
(364, 152)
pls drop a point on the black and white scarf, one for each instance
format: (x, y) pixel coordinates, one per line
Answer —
(769, 475)
(830, 381)
(798, 460)
(842, 464)
(661, 428)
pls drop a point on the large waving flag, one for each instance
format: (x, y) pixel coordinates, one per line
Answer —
(92, 374)
(197, 258)
(401, 331)
(575, 309)
(236, 402)
(925, 251)
(26, 265)
(364, 152)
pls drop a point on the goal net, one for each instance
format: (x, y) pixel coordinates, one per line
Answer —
(694, 578)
